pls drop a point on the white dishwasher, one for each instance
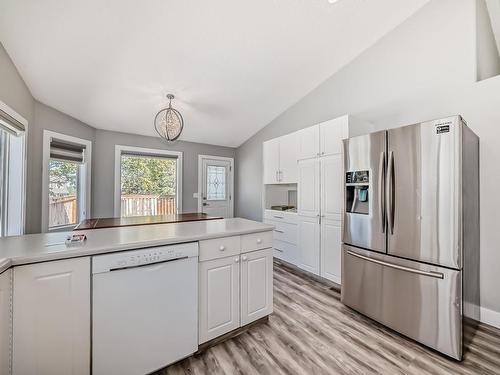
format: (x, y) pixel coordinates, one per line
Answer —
(145, 309)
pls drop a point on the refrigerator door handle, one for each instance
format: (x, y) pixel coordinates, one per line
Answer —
(437, 275)
(389, 191)
(381, 195)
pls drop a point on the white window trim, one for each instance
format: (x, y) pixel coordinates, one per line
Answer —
(5, 108)
(200, 180)
(119, 149)
(47, 137)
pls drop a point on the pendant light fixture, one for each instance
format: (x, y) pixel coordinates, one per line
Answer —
(169, 122)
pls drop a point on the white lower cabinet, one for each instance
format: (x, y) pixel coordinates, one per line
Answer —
(235, 290)
(308, 244)
(219, 297)
(5, 321)
(256, 285)
(331, 240)
(51, 325)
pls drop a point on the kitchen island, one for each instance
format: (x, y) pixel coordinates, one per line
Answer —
(51, 295)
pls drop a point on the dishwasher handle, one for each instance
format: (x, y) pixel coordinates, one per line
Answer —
(132, 266)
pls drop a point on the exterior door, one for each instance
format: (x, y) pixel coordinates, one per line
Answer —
(217, 179)
(219, 307)
(271, 161)
(365, 228)
(423, 196)
(256, 285)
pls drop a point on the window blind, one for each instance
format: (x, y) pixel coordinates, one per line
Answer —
(66, 151)
(10, 124)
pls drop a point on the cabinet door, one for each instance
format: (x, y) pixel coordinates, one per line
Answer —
(256, 285)
(332, 187)
(271, 161)
(308, 244)
(332, 133)
(308, 142)
(219, 297)
(52, 319)
(288, 159)
(331, 250)
(308, 189)
(5, 321)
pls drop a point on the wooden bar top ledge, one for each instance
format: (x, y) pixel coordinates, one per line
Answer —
(113, 222)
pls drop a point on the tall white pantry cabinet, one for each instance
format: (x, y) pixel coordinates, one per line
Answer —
(320, 200)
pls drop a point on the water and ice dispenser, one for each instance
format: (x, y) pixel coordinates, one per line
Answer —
(357, 185)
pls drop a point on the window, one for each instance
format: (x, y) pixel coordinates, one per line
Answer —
(216, 183)
(66, 181)
(147, 182)
(12, 171)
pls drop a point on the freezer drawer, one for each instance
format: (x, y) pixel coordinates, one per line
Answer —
(420, 301)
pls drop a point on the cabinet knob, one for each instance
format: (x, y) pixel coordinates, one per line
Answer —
(244, 257)
(237, 260)
(222, 248)
(259, 241)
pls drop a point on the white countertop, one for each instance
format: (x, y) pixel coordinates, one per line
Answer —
(33, 248)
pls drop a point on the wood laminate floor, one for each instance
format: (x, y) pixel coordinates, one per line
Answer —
(312, 332)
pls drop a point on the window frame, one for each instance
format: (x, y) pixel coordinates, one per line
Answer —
(143, 151)
(24, 163)
(85, 172)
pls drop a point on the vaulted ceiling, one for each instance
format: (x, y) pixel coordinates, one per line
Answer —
(233, 65)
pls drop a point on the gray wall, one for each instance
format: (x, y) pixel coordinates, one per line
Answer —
(15, 93)
(104, 158)
(424, 69)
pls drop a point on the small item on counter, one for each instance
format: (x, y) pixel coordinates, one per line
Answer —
(75, 239)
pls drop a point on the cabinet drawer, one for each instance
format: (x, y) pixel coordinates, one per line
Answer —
(219, 248)
(256, 241)
(285, 251)
(284, 231)
(287, 217)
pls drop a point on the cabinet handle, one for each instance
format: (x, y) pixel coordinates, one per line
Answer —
(278, 249)
(244, 258)
(222, 248)
(277, 178)
(259, 241)
(278, 217)
(278, 231)
(237, 260)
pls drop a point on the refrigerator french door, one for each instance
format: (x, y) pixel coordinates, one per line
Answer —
(411, 229)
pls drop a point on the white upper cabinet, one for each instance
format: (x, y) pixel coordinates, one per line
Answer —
(280, 160)
(332, 187)
(271, 161)
(331, 134)
(308, 143)
(309, 188)
(52, 318)
(288, 159)
(5, 321)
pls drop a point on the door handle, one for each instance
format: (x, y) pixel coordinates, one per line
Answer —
(389, 192)
(205, 203)
(381, 192)
(437, 275)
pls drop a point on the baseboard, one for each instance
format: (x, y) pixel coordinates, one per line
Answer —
(486, 315)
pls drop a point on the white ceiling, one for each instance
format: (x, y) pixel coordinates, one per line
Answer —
(233, 65)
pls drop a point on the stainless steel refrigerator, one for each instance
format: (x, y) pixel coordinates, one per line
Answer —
(410, 257)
